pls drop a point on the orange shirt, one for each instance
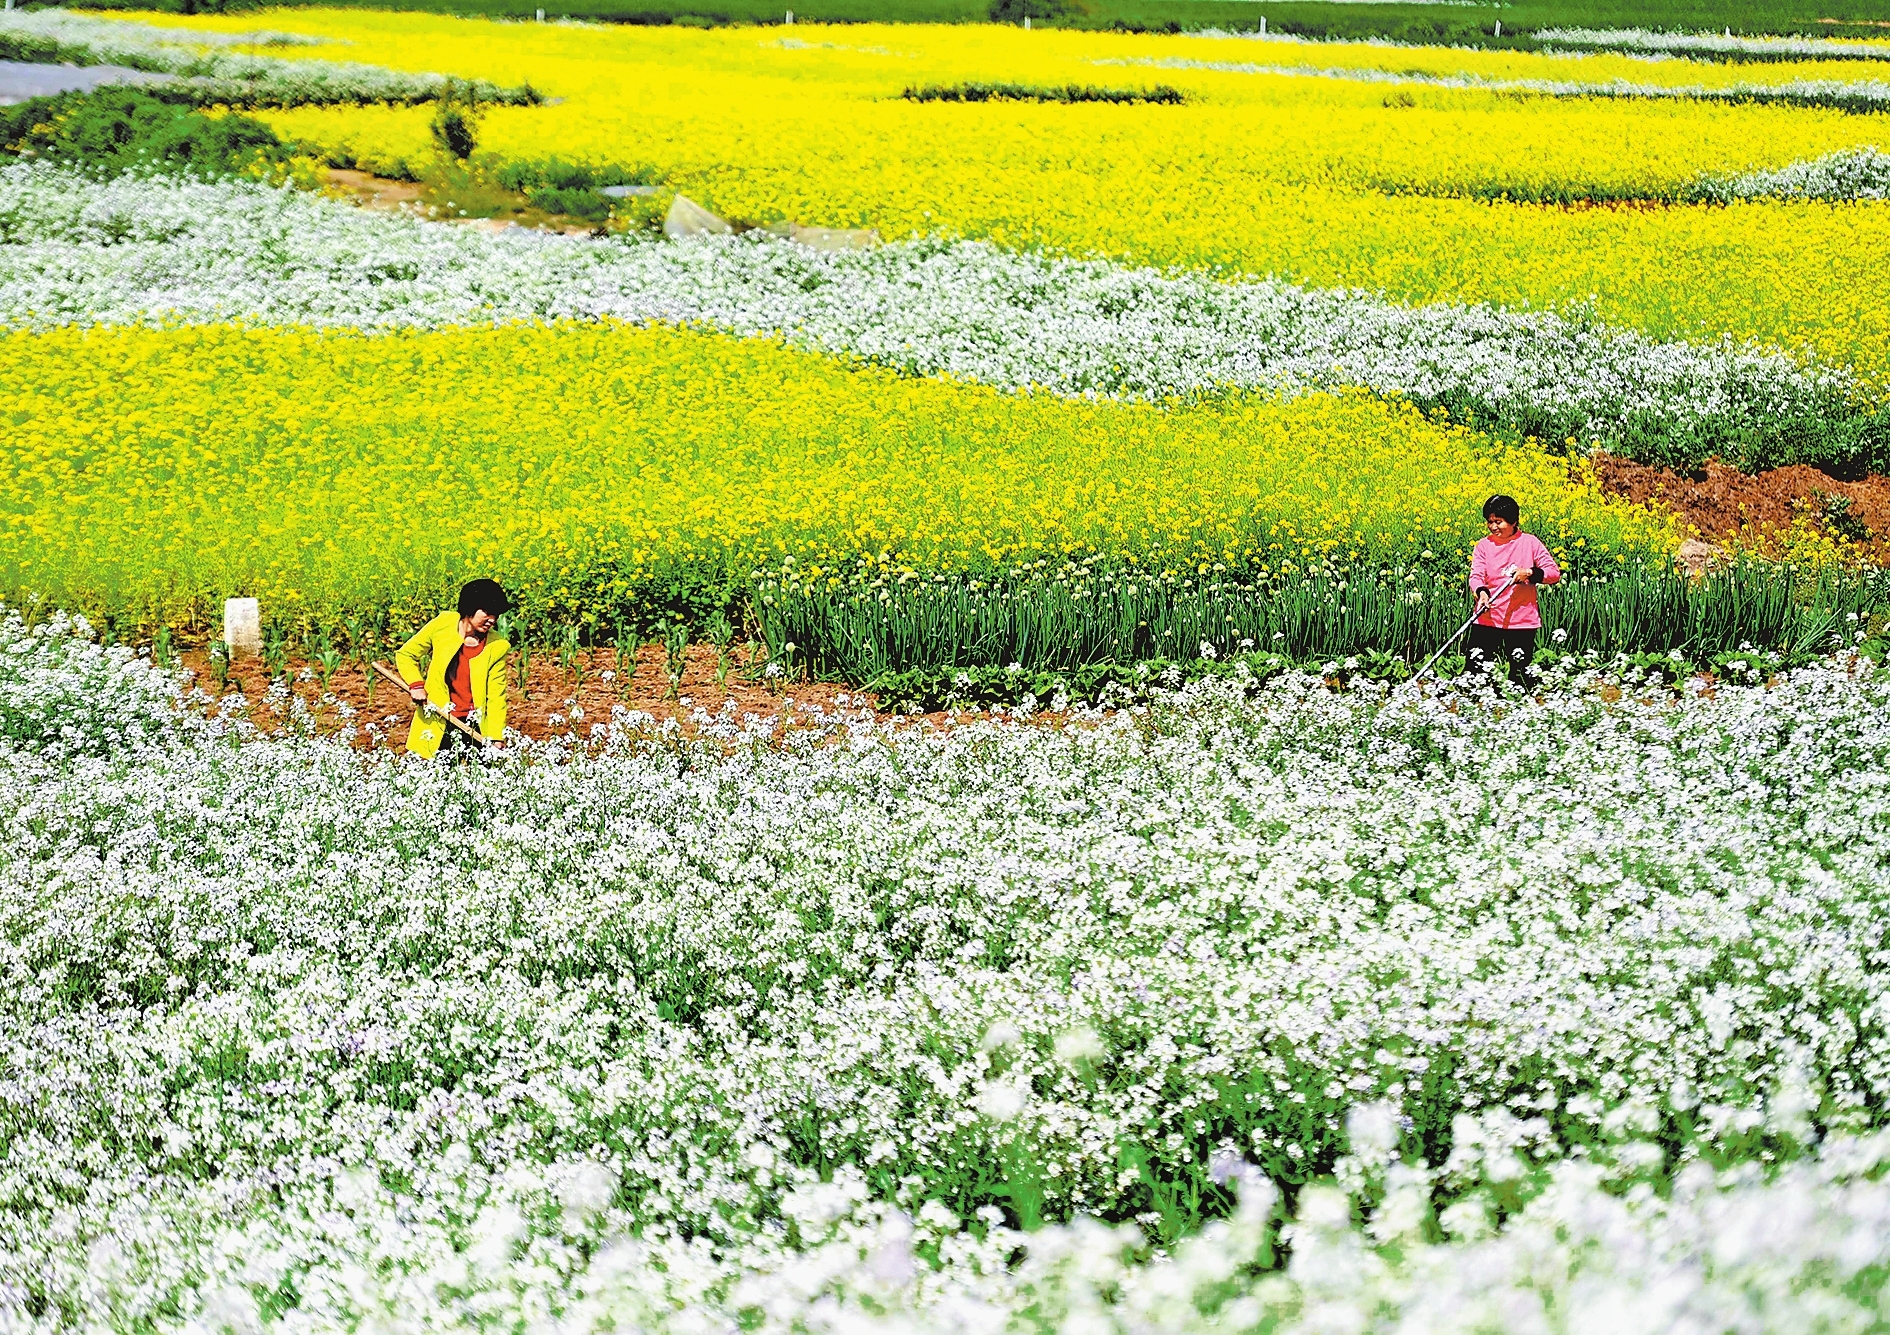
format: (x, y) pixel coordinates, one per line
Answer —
(459, 683)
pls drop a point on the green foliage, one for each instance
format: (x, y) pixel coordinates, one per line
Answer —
(675, 658)
(327, 659)
(1097, 621)
(559, 174)
(1843, 439)
(455, 129)
(625, 664)
(455, 123)
(1470, 25)
(1462, 25)
(550, 185)
(586, 204)
(275, 654)
(646, 13)
(36, 48)
(722, 635)
(1016, 11)
(570, 188)
(1846, 444)
(176, 6)
(120, 129)
(1024, 92)
(1834, 515)
(220, 665)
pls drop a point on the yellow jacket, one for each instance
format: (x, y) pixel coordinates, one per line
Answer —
(440, 636)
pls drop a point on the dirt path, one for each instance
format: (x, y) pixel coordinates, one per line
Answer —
(384, 195)
(556, 702)
(21, 80)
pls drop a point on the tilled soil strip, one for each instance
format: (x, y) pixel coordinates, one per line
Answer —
(556, 701)
(1722, 503)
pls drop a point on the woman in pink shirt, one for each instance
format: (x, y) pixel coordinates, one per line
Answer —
(1507, 621)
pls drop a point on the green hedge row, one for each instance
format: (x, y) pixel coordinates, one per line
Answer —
(116, 129)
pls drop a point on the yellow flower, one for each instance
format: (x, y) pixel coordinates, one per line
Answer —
(1313, 179)
(157, 471)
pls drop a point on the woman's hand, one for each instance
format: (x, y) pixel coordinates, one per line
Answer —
(418, 692)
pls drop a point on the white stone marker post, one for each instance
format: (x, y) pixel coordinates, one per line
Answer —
(242, 626)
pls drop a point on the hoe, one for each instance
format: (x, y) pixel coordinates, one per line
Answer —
(1419, 676)
(459, 723)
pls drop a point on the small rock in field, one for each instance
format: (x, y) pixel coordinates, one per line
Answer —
(688, 218)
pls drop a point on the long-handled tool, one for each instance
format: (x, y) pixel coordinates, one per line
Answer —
(429, 707)
(1418, 675)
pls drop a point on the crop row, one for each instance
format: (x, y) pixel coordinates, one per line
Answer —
(606, 472)
(163, 252)
(873, 622)
(1709, 45)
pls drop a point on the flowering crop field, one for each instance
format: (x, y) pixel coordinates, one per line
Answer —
(642, 466)
(1261, 173)
(1268, 475)
(164, 253)
(1290, 1001)
(1312, 1010)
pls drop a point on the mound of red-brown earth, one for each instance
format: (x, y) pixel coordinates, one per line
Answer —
(1722, 503)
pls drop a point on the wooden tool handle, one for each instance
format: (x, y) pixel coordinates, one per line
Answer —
(447, 714)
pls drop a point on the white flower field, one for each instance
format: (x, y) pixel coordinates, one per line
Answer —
(1060, 891)
(142, 251)
(679, 1035)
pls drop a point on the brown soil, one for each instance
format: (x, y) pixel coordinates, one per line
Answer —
(1753, 508)
(384, 195)
(545, 709)
(374, 192)
(1723, 505)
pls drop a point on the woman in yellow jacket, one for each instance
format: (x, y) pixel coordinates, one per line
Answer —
(464, 674)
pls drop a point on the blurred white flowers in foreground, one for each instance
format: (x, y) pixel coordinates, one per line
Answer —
(1377, 1010)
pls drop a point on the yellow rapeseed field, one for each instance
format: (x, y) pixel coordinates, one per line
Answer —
(1326, 181)
(593, 468)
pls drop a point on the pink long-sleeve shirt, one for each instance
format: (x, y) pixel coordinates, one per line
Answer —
(1515, 608)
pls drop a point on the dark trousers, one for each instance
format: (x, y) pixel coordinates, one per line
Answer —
(458, 745)
(1514, 649)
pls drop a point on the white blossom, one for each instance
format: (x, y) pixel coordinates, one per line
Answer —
(1711, 45)
(686, 1035)
(162, 251)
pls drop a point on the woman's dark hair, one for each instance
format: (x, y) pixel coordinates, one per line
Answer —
(1502, 507)
(483, 595)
